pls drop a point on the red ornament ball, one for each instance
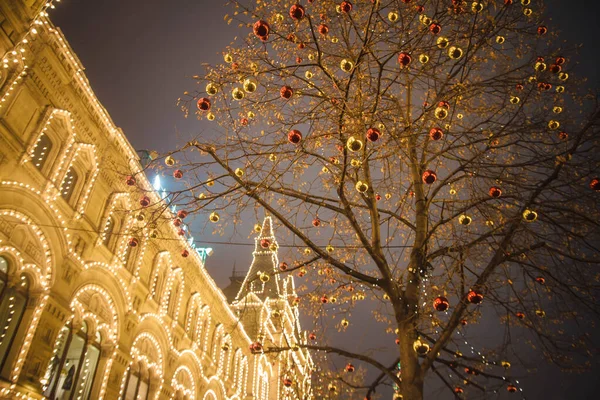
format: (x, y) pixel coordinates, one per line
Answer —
(441, 303)
(404, 59)
(595, 184)
(133, 242)
(377, 197)
(185, 253)
(444, 104)
(130, 180)
(283, 266)
(203, 104)
(177, 222)
(261, 29)
(349, 367)
(346, 6)
(316, 222)
(145, 201)
(519, 86)
(324, 299)
(420, 9)
(181, 232)
(563, 135)
(560, 60)
(463, 322)
(265, 243)
(373, 134)
(520, 314)
(429, 177)
(542, 30)
(182, 214)
(297, 12)
(287, 382)
(178, 174)
(435, 28)
(294, 136)
(286, 92)
(495, 191)
(555, 68)
(436, 133)
(511, 388)
(474, 297)
(323, 29)
(458, 390)
(541, 280)
(312, 336)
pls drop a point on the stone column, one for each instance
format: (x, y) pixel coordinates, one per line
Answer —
(103, 368)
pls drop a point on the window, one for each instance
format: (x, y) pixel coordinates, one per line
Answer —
(72, 368)
(137, 383)
(41, 151)
(69, 184)
(12, 307)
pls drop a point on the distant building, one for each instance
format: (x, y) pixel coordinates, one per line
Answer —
(98, 300)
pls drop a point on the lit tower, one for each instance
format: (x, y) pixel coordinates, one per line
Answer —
(266, 304)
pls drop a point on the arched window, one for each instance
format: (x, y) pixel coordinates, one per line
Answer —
(69, 183)
(72, 368)
(13, 301)
(41, 151)
(137, 383)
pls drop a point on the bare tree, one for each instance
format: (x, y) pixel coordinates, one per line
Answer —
(436, 157)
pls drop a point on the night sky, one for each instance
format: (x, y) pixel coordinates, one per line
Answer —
(140, 55)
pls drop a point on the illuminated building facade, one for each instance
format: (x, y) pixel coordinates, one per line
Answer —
(96, 300)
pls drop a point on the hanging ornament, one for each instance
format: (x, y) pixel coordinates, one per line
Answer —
(264, 278)
(345, 323)
(133, 242)
(474, 297)
(435, 28)
(323, 29)
(294, 136)
(250, 85)
(511, 388)
(541, 280)
(540, 313)
(329, 248)
(130, 180)
(595, 184)
(177, 222)
(185, 253)
(324, 299)
(349, 367)
(169, 161)
(213, 217)
(441, 303)
(373, 134)
(505, 364)
(542, 30)
(404, 59)
(429, 177)
(178, 174)
(361, 187)
(346, 65)
(354, 144)
(465, 220)
(287, 382)
(495, 191)
(423, 58)
(316, 222)
(144, 201)
(283, 266)
(442, 42)
(237, 94)
(393, 16)
(312, 336)
(261, 29)
(211, 89)
(203, 104)
(182, 214)
(286, 92)
(529, 215)
(346, 7)
(436, 133)
(421, 348)
(520, 314)
(458, 390)
(239, 172)
(297, 12)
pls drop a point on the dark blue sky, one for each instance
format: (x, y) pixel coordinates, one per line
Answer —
(140, 55)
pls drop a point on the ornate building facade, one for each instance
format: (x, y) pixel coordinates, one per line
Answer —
(97, 299)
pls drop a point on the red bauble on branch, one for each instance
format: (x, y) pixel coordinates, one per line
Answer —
(130, 180)
(346, 6)
(312, 336)
(323, 29)
(429, 177)
(265, 243)
(133, 242)
(181, 214)
(441, 303)
(373, 134)
(203, 104)
(185, 253)
(144, 201)
(261, 29)
(435, 28)
(349, 367)
(286, 92)
(283, 266)
(511, 388)
(436, 133)
(474, 297)
(404, 59)
(294, 136)
(178, 174)
(595, 184)
(541, 280)
(316, 222)
(495, 191)
(297, 12)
